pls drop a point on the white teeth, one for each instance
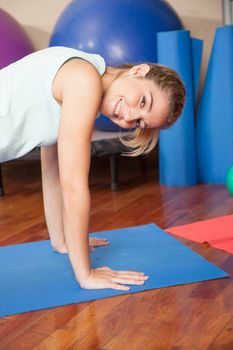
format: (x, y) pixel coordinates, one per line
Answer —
(118, 107)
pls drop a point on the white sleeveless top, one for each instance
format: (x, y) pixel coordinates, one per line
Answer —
(29, 114)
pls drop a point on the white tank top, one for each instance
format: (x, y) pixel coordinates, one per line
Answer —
(29, 114)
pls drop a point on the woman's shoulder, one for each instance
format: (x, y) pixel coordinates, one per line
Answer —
(76, 74)
(78, 69)
(93, 58)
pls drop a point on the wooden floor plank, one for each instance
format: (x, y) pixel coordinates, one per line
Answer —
(224, 340)
(15, 326)
(37, 332)
(82, 324)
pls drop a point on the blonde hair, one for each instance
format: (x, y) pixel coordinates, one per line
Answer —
(142, 141)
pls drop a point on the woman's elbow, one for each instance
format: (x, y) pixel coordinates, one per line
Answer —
(72, 190)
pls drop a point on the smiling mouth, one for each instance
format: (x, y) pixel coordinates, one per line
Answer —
(117, 109)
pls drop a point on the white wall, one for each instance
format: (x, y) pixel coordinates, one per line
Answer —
(39, 17)
(201, 17)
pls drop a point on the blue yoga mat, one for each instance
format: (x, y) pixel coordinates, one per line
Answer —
(34, 277)
(177, 145)
(215, 112)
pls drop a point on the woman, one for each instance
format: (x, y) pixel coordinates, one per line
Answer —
(50, 99)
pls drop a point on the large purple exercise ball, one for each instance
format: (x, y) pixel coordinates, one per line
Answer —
(122, 31)
(14, 42)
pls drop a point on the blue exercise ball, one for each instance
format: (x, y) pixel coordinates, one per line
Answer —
(122, 31)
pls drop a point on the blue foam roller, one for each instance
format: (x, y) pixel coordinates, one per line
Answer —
(177, 153)
(215, 112)
(197, 48)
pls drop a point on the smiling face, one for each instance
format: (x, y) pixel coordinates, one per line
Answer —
(132, 101)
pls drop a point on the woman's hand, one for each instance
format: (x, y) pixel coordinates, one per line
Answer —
(97, 242)
(93, 242)
(106, 278)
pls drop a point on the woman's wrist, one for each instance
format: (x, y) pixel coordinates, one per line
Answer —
(82, 277)
(82, 269)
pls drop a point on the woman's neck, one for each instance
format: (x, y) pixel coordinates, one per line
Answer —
(111, 74)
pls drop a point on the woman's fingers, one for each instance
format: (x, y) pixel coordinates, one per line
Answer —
(119, 287)
(124, 277)
(104, 277)
(133, 273)
(124, 274)
(126, 280)
(97, 242)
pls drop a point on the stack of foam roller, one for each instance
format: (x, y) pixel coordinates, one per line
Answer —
(199, 149)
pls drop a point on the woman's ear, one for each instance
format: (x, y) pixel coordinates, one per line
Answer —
(139, 70)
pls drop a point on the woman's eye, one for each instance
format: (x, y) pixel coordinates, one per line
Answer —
(138, 123)
(143, 102)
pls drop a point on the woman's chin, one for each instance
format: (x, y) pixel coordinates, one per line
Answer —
(113, 119)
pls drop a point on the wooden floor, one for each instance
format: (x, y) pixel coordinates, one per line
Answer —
(194, 317)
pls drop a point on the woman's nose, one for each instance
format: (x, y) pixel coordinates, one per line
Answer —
(131, 115)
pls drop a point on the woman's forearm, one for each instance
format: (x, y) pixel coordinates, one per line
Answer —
(76, 209)
(53, 215)
(52, 197)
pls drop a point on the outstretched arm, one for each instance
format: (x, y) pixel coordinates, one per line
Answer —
(81, 94)
(53, 201)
